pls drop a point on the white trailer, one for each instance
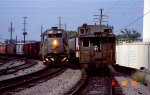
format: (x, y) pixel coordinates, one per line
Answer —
(135, 55)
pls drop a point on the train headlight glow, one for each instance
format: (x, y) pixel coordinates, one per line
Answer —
(55, 42)
(46, 59)
(63, 59)
(52, 59)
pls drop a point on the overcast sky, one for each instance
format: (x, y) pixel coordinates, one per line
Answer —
(73, 12)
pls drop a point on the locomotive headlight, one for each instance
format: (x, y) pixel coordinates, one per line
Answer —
(63, 59)
(55, 42)
(46, 59)
(52, 59)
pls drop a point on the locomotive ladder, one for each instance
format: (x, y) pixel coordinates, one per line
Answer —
(104, 48)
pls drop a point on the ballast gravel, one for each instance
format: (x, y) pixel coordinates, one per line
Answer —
(131, 87)
(55, 86)
(37, 67)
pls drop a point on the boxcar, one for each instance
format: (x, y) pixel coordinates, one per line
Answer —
(35, 50)
(11, 49)
(27, 50)
(19, 49)
(2, 49)
(31, 50)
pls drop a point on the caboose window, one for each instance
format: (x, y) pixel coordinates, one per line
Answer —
(107, 30)
(82, 31)
(86, 43)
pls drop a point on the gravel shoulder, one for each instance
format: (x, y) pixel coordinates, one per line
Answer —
(56, 86)
(131, 87)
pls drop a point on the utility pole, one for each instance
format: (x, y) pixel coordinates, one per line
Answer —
(16, 39)
(42, 33)
(65, 27)
(59, 22)
(11, 29)
(24, 29)
(100, 18)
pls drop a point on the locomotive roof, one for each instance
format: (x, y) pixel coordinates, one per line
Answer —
(53, 31)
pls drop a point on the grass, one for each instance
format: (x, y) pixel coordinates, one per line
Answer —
(139, 78)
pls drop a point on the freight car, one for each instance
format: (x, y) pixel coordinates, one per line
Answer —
(11, 49)
(28, 50)
(95, 47)
(31, 50)
(19, 48)
(54, 47)
(2, 49)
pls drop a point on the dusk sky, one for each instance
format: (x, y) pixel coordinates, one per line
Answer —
(73, 12)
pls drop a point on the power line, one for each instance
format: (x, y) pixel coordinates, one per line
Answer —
(110, 10)
(115, 5)
(135, 20)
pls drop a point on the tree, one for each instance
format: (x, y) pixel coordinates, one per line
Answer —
(128, 35)
(72, 34)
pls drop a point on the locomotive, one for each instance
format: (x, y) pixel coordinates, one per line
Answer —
(54, 47)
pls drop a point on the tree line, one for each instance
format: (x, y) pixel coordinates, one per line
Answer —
(128, 35)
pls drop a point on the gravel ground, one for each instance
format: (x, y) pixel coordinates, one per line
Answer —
(34, 68)
(130, 87)
(11, 64)
(56, 86)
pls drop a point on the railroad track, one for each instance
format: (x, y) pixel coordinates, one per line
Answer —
(6, 59)
(12, 69)
(96, 85)
(32, 79)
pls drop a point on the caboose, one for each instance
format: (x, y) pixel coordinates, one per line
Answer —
(54, 47)
(96, 46)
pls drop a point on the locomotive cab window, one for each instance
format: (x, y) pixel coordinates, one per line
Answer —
(51, 35)
(85, 43)
(59, 35)
(55, 35)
